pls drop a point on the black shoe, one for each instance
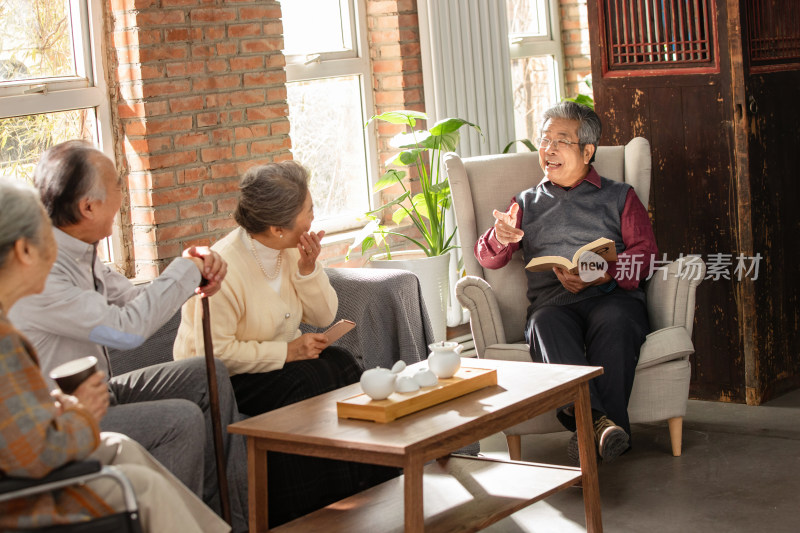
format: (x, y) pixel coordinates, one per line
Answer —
(612, 441)
(572, 450)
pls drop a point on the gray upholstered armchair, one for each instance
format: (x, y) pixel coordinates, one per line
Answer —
(497, 303)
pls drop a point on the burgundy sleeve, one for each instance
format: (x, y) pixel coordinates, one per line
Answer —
(635, 262)
(490, 252)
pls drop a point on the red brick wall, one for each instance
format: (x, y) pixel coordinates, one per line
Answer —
(397, 77)
(200, 97)
(393, 35)
(575, 36)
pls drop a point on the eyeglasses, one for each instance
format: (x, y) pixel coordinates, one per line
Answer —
(543, 143)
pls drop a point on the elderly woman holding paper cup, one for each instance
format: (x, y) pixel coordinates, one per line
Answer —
(274, 282)
(41, 432)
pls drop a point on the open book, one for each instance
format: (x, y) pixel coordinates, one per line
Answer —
(603, 247)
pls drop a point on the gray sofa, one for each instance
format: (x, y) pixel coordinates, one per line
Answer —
(386, 305)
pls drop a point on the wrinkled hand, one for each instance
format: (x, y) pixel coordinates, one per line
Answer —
(505, 225)
(309, 247)
(92, 395)
(212, 267)
(307, 346)
(573, 282)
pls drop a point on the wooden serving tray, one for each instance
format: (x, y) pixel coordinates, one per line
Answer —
(466, 380)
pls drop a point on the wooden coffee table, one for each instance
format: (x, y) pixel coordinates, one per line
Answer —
(459, 493)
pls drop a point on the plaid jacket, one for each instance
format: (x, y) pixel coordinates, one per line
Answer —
(35, 439)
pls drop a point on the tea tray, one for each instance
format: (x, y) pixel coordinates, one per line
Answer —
(466, 380)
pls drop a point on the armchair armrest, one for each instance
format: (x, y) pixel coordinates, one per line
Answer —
(477, 296)
(508, 352)
(667, 344)
(671, 293)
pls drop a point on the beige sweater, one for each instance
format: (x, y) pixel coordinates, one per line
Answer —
(251, 324)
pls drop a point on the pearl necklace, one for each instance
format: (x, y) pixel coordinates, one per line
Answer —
(263, 270)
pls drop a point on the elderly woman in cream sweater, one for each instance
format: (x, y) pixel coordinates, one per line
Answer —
(274, 283)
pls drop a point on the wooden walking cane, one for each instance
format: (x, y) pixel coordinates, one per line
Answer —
(216, 423)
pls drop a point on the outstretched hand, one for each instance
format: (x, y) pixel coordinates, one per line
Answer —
(309, 247)
(505, 225)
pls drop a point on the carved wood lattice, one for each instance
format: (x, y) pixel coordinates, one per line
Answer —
(658, 34)
(773, 32)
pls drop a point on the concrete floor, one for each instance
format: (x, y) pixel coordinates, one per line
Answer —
(739, 471)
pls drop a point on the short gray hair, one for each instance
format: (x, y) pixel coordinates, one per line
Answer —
(20, 215)
(64, 176)
(589, 126)
(271, 195)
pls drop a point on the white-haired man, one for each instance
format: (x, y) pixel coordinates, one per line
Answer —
(87, 307)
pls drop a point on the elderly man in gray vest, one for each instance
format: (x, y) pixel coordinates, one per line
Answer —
(572, 318)
(86, 307)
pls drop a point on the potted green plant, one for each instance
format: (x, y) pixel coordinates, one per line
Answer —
(426, 209)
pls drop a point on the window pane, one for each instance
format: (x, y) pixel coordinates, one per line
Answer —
(314, 26)
(527, 17)
(534, 83)
(35, 39)
(328, 139)
(23, 139)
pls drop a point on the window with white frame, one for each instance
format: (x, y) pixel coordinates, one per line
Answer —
(52, 86)
(537, 64)
(328, 78)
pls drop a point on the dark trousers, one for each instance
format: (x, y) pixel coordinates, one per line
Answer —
(605, 331)
(166, 409)
(298, 484)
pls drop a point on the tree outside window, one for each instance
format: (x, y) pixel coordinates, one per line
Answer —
(51, 87)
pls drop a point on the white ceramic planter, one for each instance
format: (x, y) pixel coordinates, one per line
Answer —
(433, 279)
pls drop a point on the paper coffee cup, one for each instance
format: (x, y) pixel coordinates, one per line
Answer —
(70, 375)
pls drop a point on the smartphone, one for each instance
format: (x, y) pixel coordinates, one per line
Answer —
(337, 330)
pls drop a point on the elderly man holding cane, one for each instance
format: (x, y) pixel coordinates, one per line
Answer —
(86, 307)
(41, 433)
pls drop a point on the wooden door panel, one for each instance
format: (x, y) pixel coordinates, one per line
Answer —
(686, 117)
(773, 151)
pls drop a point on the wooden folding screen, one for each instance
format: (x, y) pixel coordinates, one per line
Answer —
(713, 85)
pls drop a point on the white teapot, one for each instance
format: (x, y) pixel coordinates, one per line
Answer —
(445, 359)
(378, 383)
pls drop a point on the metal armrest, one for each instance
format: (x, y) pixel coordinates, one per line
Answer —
(70, 470)
(74, 473)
